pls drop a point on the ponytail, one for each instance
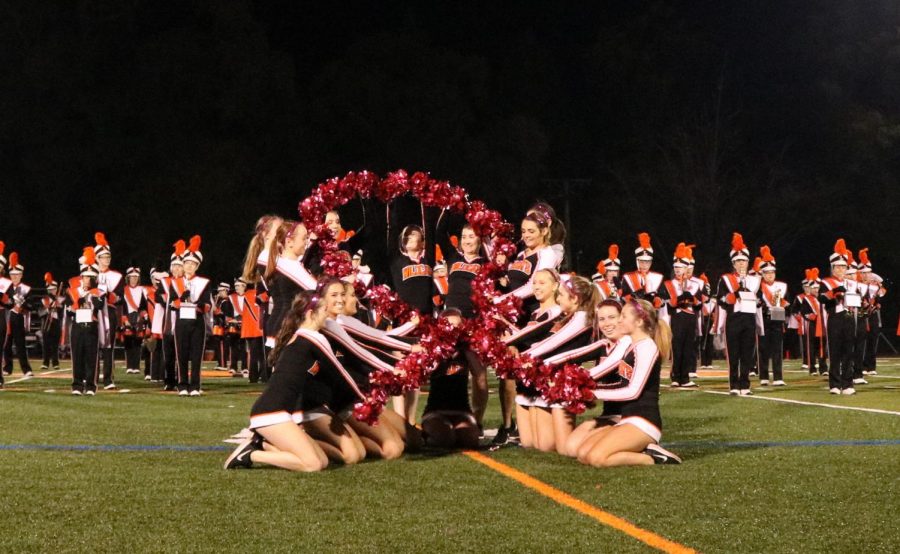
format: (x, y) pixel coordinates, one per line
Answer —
(653, 326)
(257, 243)
(276, 247)
(662, 336)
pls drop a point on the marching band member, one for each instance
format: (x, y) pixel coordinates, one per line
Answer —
(814, 325)
(4, 286)
(253, 303)
(15, 300)
(234, 329)
(873, 291)
(681, 297)
(841, 301)
(774, 303)
(643, 283)
(151, 345)
(861, 320)
(53, 315)
(166, 295)
(607, 277)
(192, 305)
(86, 301)
(110, 281)
(158, 326)
(703, 296)
(737, 296)
(134, 319)
(221, 312)
(707, 324)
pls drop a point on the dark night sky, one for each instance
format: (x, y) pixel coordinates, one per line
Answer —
(154, 120)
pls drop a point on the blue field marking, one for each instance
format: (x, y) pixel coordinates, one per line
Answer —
(117, 447)
(790, 444)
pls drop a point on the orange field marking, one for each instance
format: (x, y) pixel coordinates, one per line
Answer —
(647, 537)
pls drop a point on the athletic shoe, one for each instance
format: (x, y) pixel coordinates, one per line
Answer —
(873, 372)
(146, 377)
(779, 383)
(90, 392)
(241, 455)
(674, 384)
(734, 392)
(752, 374)
(111, 386)
(244, 433)
(746, 392)
(43, 367)
(55, 367)
(195, 393)
(76, 392)
(514, 433)
(764, 382)
(661, 456)
(183, 392)
(29, 374)
(834, 390)
(170, 388)
(848, 392)
(689, 385)
(245, 373)
(692, 374)
(860, 381)
(804, 366)
(502, 437)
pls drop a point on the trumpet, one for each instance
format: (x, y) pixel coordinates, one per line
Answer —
(777, 298)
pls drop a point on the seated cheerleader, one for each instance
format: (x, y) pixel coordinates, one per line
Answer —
(635, 439)
(547, 427)
(276, 439)
(606, 338)
(448, 420)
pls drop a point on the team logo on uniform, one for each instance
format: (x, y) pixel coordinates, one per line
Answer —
(454, 369)
(463, 266)
(314, 369)
(418, 270)
(625, 371)
(521, 265)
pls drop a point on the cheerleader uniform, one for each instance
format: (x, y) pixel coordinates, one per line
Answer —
(331, 389)
(566, 333)
(539, 327)
(448, 393)
(637, 392)
(370, 336)
(523, 268)
(357, 359)
(289, 278)
(412, 278)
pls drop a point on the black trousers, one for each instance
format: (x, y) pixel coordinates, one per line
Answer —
(791, 346)
(50, 342)
(707, 350)
(221, 346)
(740, 344)
(106, 354)
(238, 356)
(860, 338)
(15, 337)
(684, 348)
(771, 349)
(169, 361)
(255, 353)
(872, 336)
(190, 337)
(85, 359)
(153, 365)
(133, 352)
(841, 337)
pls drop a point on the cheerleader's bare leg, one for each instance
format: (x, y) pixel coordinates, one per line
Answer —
(542, 420)
(295, 450)
(527, 438)
(339, 442)
(479, 385)
(381, 441)
(563, 427)
(621, 446)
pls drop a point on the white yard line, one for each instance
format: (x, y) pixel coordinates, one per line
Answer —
(801, 402)
(20, 379)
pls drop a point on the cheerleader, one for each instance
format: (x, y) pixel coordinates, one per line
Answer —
(277, 440)
(606, 337)
(546, 427)
(537, 255)
(738, 301)
(85, 300)
(257, 256)
(774, 304)
(464, 264)
(15, 300)
(634, 440)
(134, 319)
(680, 298)
(285, 275)
(52, 316)
(557, 236)
(448, 420)
(110, 281)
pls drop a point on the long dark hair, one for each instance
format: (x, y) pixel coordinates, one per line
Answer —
(304, 301)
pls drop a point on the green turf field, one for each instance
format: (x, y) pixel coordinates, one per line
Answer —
(759, 476)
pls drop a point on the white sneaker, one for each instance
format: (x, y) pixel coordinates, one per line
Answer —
(734, 392)
(752, 374)
(28, 375)
(764, 382)
(778, 383)
(860, 381)
(834, 390)
(245, 373)
(76, 392)
(689, 385)
(183, 392)
(90, 393)
(746, 392)
(110, 386)
(873, 372)
(146, 377)
(848, 392)
(692, 375)
(195, 393)
(674, 384)
(804, 366)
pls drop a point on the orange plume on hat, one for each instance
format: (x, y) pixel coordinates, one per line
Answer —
(808, 273)
(840, 247)
(88, 255)
(613, 252)
(101, 239)
(737, 242)
(680, 250)
(48, 277)
(689, 251)
(766, 254)
(454, 240)
(601, 267)
(2, 246)
(849, 256)
(704, 278)
(757, 264)
(179, 247)
(14, 259)
(815, 274)
(194, 246)
(644, 239)
(863, 256)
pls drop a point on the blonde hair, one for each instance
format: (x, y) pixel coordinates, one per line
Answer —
(257, 243)
(655, 327)
(585, 292)
(286, 229)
